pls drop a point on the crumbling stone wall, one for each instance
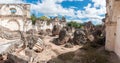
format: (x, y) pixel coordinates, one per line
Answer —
(112, 26)
(14, 16)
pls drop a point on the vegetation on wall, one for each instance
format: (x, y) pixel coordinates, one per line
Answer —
(74, 24)
(44, 18)
(33, 18)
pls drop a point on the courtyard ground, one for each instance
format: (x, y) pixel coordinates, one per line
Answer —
(59, 54)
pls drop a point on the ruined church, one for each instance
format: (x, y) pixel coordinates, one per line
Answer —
(14, 16)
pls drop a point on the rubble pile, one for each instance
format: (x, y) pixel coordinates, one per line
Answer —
(27, 46)
(43, 32)
(56, 30)
(89, 29)
(8, 34)
(63, 37)
(89, 33)
(94, 33)
(79, 37)
(49, 32)
(99, 35)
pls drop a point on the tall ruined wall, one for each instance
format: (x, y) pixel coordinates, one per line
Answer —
(117, 43)
(117, 18)
(14, 16)
(110, 26)
(113, 26)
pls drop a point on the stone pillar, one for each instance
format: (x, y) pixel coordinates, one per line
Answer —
(110, 36)
(117, 44)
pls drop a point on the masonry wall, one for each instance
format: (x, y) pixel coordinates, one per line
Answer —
(17, 20)
(117, 43)
(113, 29)
(110, 37)
(12, 24)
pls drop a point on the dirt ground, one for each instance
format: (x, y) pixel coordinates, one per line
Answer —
(52, 51)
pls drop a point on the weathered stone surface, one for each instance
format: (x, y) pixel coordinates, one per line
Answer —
(62, 34)
(49, 31)
(79, 37)
(63, 37)
(89, 27)
(98, 34)
(14, 59)
(43, 32)
(14, 20)
(90, 38)
(68, 45)
(9, 46)
(94, 32)
(31, 41)
(8, 34)
(31, 31)
(1, 57)
(69, 29)
(56, 30)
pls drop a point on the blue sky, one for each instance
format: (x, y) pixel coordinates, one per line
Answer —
(76, 10)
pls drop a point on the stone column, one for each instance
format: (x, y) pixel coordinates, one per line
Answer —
(110, 36)
(117, 43)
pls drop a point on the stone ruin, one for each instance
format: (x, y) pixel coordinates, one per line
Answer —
(89, 33)
(93, 33)
(67, 36)
(63, 37)
(8, 34)
(79, 37)
(21, 45)
(14, 16)
(56, 30)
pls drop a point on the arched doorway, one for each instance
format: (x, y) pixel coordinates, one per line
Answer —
(13, 25)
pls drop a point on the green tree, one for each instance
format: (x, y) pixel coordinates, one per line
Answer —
(44, 18)
(74, 24)
(33, 18)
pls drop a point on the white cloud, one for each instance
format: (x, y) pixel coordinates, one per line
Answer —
(74, 0)
(93, 13)
(53, 8)
(99, 3)
(10, 1)
(90, 12)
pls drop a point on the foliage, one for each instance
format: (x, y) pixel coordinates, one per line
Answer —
(98, 25)
(33, 18)
(74, 24)
(44, 18)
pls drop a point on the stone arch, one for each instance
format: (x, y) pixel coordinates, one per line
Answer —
(20, 7)
(13, 21)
